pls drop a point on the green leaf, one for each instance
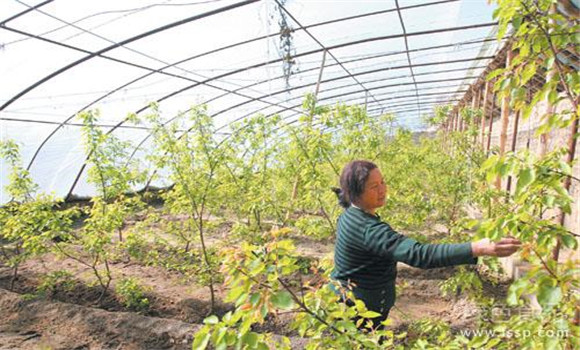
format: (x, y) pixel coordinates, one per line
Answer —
(251, 339)
(472, 223)
(501, 31)
(505, 84)
(517, 22)
(525, 177)
(493, 342)
(565, 167)
(569, 241)
(254, 299)
(551, 343)
(515, 290)
(241, 299)
(528, 72)
(489, 162)
(537, 46)
(525, 49)
(548, 201)
(553, 97)
(494, 74)
(264, 310)
(201, 340)
(503, 169)
(370, 314)
(213, 319)
(549, 296)
(550, 62)
(478, 341)
(282, 300)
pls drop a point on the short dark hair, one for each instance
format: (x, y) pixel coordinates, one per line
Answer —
(352, 181)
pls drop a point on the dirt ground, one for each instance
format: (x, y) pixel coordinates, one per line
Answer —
(74, 320)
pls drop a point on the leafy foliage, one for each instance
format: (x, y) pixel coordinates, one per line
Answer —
(132, 294)
(30, 223)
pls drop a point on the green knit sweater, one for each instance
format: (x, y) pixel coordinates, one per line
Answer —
(367, 251)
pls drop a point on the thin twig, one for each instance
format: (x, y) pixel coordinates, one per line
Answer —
(313, 314)
(561, 173)
(297, 300)
(545, 264)
(555, 53)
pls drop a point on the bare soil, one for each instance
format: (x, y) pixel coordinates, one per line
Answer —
(73, 319)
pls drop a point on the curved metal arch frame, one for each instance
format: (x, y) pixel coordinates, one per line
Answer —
(344, 77)
(177, 92)
(245, 116)
(386, 99)
(366, 72)
(326, 51)
(20, 14)
(385, 94)
(360, 91)
(382, 110)
(424, 102)
(151, 72)
(119, 44)
(160, 70)
(326, 129)
(338, 87)
(388, 37)
(188, 130)
(143, 141)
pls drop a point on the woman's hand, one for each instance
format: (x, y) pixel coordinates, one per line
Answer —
(505, 247)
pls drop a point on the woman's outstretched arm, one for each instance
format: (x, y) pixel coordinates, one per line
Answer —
(385, 242)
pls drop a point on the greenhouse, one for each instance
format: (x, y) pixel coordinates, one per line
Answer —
(289, 174)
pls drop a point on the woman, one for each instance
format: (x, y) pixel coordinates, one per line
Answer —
(367, 249)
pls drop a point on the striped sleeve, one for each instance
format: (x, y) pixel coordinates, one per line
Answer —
(428, 256)
(383, 241)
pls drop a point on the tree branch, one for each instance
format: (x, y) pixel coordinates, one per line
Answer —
(545, 265)
(555, 53)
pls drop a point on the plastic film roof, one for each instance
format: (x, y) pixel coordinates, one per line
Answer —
(60, 57)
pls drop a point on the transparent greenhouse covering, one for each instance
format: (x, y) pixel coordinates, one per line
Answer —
(240, 58)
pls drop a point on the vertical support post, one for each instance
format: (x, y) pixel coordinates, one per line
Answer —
(478, 99)
(483, 114)
(529, 138)
(366, 98)
(453, 120)
(515, 133)
(448, 125)
(545, 137)
(473, 103)
(571, 143)
(461, 121)
(514, 143)
(477, 106)
(294, 195)
(320, 74)
(490, 123)
(474, 107)
(505, 112)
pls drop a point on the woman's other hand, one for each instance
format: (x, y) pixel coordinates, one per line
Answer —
(504, 247)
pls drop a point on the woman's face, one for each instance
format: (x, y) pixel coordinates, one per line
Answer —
(375, 192)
